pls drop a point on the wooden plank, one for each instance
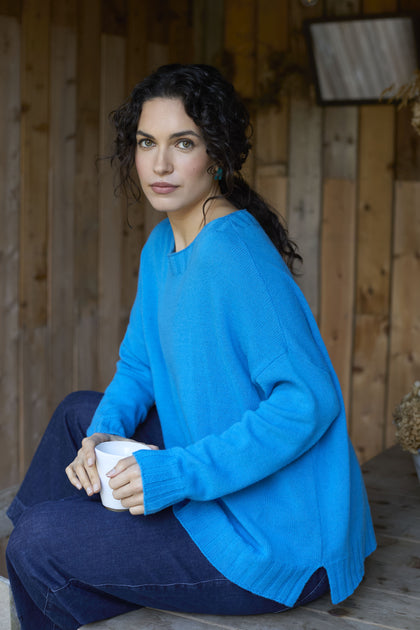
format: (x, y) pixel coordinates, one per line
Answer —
(110, 213)
(86, 195)
(408, 148)
(271, 146)
(337, 283)
(271, 120)
(395, 567)
(157, 55)
(181, 43)
(337, 273)
(340, 142)
(294, 620)
(33, 226)
(208, 31)
(376, 154)
(392, 473)
(409, 5)
(240, 43)
(376, 163)
(62, 193)
(404, 361)
(374, 229)
(133, 226)
(272, 182)
(158, 22)
(341, 7)
(9, 247)
(136, 64)
(114, 17)
(379, 6)
(305, 164)
(368, 385)
(11, 8)
(382, 608)
(305, 187)
(399, 517)
(240, 58)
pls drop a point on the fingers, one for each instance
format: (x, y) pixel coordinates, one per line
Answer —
(82, 472)
(127, 485)
(88, 448)
(123, 465)
(72, 477)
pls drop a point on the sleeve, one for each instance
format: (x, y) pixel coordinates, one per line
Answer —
(258, 445)
(129, 396)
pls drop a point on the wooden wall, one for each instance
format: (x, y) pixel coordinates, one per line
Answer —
(347, 179)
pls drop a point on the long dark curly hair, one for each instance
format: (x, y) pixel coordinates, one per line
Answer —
(215, 107)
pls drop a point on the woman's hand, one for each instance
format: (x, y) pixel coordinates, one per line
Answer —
(82, 471)
(127, 484)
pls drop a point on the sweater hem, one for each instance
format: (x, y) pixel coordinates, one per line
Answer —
(259, 573)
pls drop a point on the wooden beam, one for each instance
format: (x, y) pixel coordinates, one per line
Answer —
(374, 233)
(271, 142)
(33, 225)
(9, 248)
(110, 213)
(181, 43)
(305, 165)
(62, 199)
(208, 31)
(337, 273)
(338, 238)
(86, 194)
(240, 57)
(404, 361)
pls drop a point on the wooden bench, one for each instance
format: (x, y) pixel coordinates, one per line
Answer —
(389, 596)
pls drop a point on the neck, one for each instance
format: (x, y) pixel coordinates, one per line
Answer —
(186, 226)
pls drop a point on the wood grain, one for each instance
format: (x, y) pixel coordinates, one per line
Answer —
(86, 195)
(62, 200)
(34, 359)
(337, 276)
(305, 164)
(9, 248)
(110, 214)
(404, 358)
(271, 146)
(240, 53)
(374, 229)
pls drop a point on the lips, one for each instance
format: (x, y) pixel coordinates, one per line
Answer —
(163, 188)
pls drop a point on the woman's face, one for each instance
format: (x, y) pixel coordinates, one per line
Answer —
(171, 158)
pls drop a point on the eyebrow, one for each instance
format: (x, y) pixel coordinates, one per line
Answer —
(178, 134)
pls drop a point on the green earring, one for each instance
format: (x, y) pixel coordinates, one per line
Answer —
(219, 174)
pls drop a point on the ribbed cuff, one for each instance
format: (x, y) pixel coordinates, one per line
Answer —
(162, 482)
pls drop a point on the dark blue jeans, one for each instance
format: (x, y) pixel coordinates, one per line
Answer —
(72, 562)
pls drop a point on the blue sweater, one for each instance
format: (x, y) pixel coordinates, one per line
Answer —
(257, 464)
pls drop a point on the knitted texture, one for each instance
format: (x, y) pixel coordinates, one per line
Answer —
(258, 464)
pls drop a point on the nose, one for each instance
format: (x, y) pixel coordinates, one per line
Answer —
(163, 163)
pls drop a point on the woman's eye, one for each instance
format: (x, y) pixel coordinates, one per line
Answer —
(145, 143)
(185, 144)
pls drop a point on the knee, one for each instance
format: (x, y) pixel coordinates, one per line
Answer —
(76, 410)
(79, 400)
(27, 542)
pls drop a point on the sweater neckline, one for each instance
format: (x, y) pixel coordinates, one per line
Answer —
(178, 261)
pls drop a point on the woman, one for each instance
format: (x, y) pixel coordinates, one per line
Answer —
(251, 499)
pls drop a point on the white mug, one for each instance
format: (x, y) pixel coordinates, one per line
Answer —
(108, 454)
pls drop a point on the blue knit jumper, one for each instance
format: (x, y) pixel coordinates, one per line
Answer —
(258, 465)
